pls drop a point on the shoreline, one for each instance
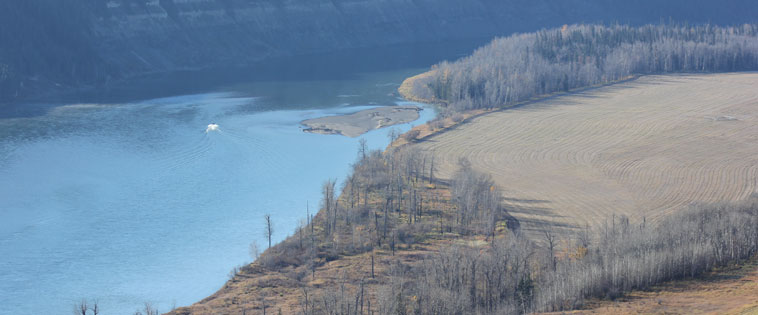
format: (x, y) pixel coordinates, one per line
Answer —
(426, 131)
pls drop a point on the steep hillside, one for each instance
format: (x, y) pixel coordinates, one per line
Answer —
(74, 43)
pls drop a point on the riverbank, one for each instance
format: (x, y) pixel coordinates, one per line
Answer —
(409, 90)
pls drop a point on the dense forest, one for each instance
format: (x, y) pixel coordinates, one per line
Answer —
(518, 68)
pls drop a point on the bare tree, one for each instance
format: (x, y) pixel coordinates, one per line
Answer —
(269, 228)
(362, 148)
(411, 135)
(148, 309)
(329, 205)
(550, 242)
(254, 250)
(81, 308)
(393, 134)
(95, 308)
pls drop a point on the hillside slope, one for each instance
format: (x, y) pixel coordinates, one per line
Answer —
(75, 43)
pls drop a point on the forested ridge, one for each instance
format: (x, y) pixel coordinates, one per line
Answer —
(518, 68)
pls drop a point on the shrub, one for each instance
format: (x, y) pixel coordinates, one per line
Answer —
(457, 118)
(411, 135)
(437, 124)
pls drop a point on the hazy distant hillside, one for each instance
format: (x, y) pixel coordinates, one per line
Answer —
(48, 42)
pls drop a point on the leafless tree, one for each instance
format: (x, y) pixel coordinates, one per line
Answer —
(254, 250)
(411, 135)
(269, 228)
(148, 309)
(81, 308)
(95, 307)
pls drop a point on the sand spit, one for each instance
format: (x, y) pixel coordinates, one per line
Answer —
(356, 124)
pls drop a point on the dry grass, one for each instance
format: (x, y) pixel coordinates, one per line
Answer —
(406, 88)
(642, 148)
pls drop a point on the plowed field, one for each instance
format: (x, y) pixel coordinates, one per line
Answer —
(643, 148)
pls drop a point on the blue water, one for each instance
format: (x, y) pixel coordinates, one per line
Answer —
(118, 194)
(134, 202)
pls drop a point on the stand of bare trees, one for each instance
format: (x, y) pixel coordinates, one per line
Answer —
(477, 201)
(520, 67)
(82, 308)
(509, 274)
(514, 275)
(387, 203)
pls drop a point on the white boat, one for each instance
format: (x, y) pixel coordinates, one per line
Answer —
(211, 127)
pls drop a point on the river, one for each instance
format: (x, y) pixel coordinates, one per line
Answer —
(120, 195)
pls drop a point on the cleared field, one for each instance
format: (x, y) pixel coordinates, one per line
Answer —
(642, 148)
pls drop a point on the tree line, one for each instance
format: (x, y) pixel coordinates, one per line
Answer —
(518, 68)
